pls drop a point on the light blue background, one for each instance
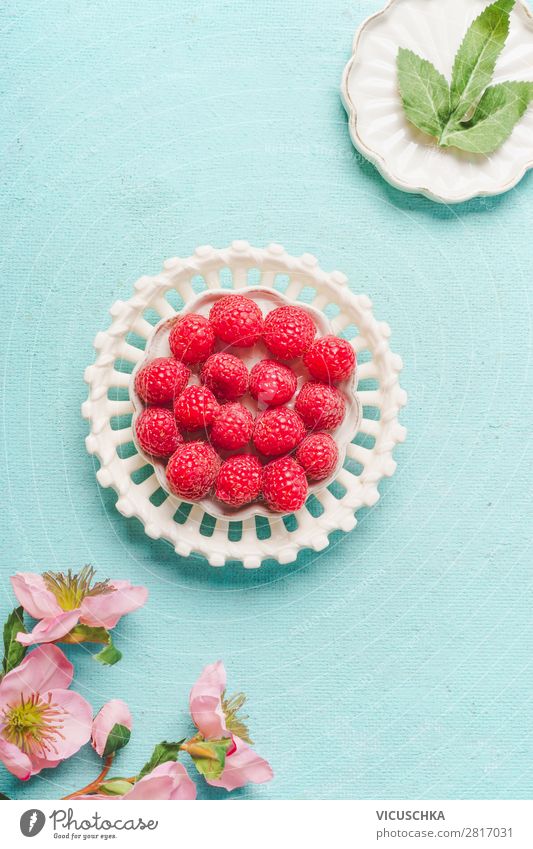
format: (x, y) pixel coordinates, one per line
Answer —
(397, 663)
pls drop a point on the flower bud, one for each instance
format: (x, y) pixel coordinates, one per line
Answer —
(116, 787)
(111, 728)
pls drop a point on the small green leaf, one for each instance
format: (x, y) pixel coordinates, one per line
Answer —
(476, 58)
(115, 787)
(493, 120)
(162, 753)
(86, 634)
(13, 651)
(424, 91)
(118, 738)
(109, 655)
(209, 767)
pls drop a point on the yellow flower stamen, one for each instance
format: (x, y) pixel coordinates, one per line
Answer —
(231, 706)
(70, 590)
(34, 725)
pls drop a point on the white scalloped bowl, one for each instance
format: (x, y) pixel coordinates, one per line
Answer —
(407, 158)
(109, 408)
(267, 300)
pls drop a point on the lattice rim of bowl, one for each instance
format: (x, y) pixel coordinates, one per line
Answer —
(157, 345)
(109, 408)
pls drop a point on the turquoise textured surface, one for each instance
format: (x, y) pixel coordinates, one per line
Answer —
(398, 662)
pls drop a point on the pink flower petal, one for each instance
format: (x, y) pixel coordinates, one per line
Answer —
(242, 767)
(37, 764)
(43, 669)
(75, 720)
(205, 701)
(113, 713)
(104, 611)
(30, 589)
(14, 760)
(152, 788)
(167, 781)
(49, 630)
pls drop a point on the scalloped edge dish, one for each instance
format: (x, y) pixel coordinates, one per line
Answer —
(406, 158)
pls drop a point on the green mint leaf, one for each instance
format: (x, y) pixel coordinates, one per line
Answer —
(476, 58)
(424, 91)
(212, 767)
(109, 655)
(119, 737)
(493, 120)
(162, 753)
(13, 651)
(86, 634)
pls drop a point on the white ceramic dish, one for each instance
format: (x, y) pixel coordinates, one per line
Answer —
(267, 299)
(109, 408)
(406, 157)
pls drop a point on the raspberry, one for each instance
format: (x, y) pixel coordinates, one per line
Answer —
(277, 431)
(284, 485)
(288, 332)
(196, 407)
(225, 375)
(161, 381)
(237, 320)
(192, 470)
(320, 405)
(239, 480)
(192, 339)
(232, 427)
(272, 383)
(157, 432)
(318, 455)
(330, 358)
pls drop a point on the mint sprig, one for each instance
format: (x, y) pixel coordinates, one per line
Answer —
(469, 114)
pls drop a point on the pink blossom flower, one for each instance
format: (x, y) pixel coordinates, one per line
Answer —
(41, 722)
(61, 601)
(216, 718)
(113, 713)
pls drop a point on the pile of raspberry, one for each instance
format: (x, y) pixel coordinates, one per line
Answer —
(210, 441)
